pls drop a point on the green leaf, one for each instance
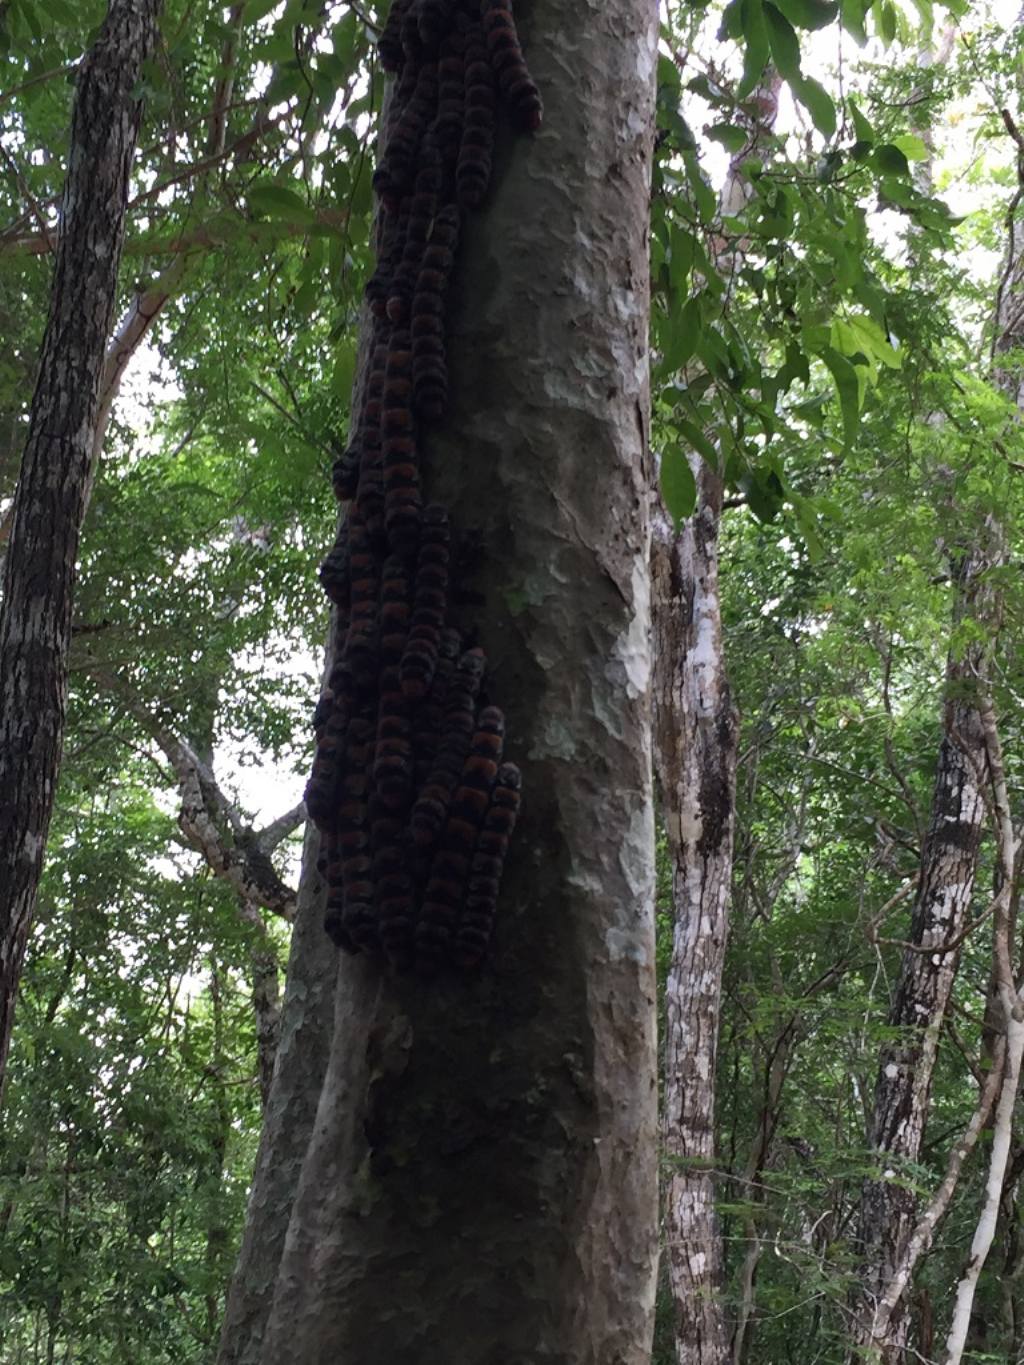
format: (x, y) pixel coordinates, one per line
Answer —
(256, 10)
(678, 486)
(861, 127)
(730, 135)
(785, 46)
(276, 201)
(912, 147)
(755, 52)
(885, 17)
(807, 520)
(680, 258)
(848, 389)
(853, 13)
(812, 14)
(890, 160)
(818, 103)
(698, 441)
(684, 329)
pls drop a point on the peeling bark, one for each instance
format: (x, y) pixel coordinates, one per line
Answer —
(695, 754)
(888, 1212)
(480, 1183)
(39, 569)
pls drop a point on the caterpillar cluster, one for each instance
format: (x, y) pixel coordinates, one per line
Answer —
(409, 786)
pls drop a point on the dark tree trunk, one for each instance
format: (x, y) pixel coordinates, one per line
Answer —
(56, 471)
(480, 1178)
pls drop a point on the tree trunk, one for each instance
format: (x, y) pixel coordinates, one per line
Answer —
(948, 864)
(39, 571)
(695, 752)
(299, 1063)
(480, 1184)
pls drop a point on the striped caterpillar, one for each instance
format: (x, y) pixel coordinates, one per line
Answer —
(510, 65)
(476, 146)
(429, 365)
(481, 905)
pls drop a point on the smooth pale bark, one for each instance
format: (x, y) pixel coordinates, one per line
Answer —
(481, 1181)
(695, 755)
(56, 471)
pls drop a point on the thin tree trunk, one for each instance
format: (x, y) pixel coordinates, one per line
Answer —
(888, 1212)
(480, 1183)
(695, 751)
(696, 730)
(39, 569)
(266, 1005)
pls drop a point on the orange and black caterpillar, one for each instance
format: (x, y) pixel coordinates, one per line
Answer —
(429, 366)
(430, 604)
(476, 146)
(431, 808)
(510, 65)
(481, 902)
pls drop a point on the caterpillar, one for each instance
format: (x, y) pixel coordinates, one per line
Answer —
(391, 247)
(430, 604)
(334, 911)
(451, 866)
(430, 712)
(451, 73)
(433, 19)
(476, 147)
(389, 44)
(407, 783)
(321, 789)
(393, 175)
(359, 656)
(480, 908)
(431, 808)
(334, 571)
(402, 502)
(429, 366)
(509, 64)
(421, 215)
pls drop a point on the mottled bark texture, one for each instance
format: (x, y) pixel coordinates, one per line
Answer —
(948, 864)
(39, 570)
(301, 1046)
(480, 1185)
(695, 732)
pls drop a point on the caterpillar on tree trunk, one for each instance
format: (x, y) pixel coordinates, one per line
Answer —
(408, 786)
